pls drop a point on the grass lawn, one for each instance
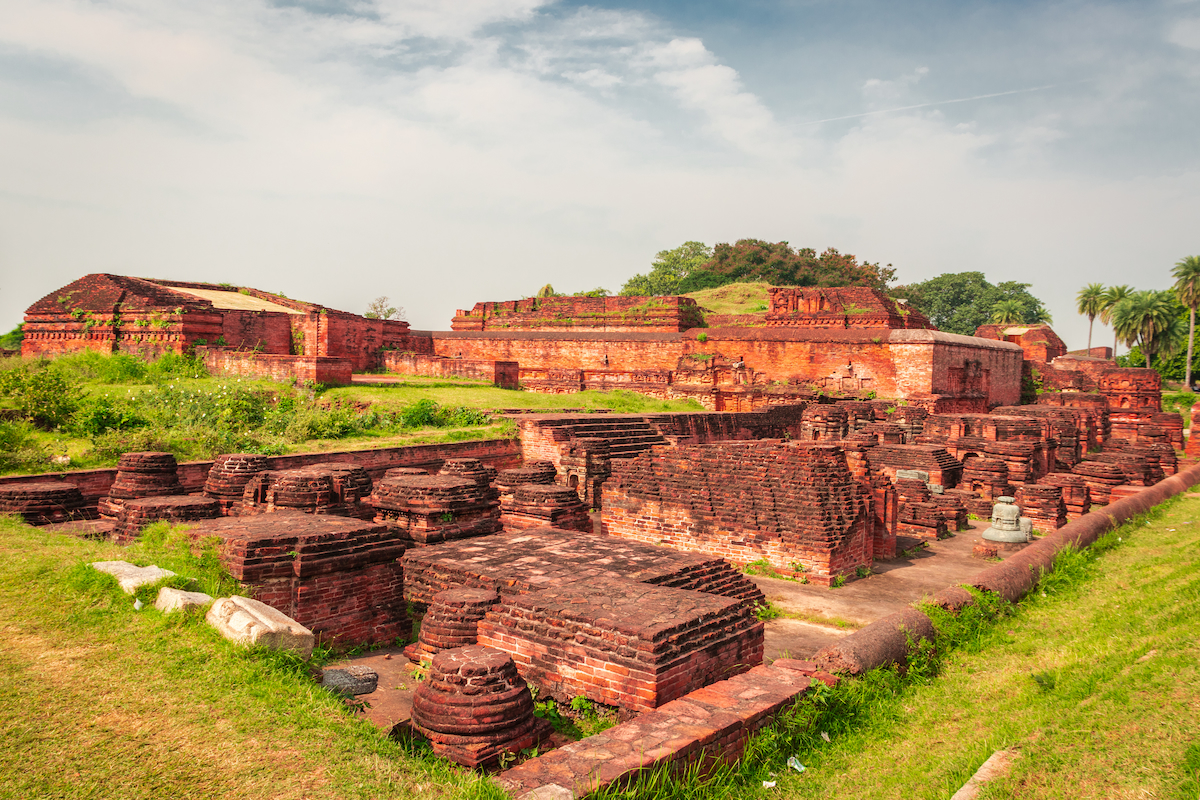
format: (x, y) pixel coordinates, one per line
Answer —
(100, 701)
(393, 397)
(734, 298)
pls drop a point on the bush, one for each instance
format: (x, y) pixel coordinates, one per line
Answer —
(20, 450)
(97, 415)
(44, 394)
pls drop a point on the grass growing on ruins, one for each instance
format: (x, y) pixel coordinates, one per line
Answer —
(1095, 678)
(490, 398)
(101, 701)
(734, 298)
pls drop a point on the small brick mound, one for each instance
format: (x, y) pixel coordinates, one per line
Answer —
(1075, 493)
(988, 476)
(953, 510)
(1043, 504)
(534, 505)
(141, 475)
(137, 514)
(1018, 456)
(451, 621)
(436, 508)
(539, 472)
(229, 475)
(624, 643)
(44, 502)
(351, 487)
(1100, 477)
(475, 707)
(470, 468)
(301, 489)
(396, 472)
(1168, 459)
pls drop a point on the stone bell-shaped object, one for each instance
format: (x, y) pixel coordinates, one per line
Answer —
(1007, 523)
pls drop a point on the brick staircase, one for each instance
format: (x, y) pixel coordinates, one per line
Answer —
(626, 435)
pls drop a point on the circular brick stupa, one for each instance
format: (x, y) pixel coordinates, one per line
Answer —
(137, 514)
(44, 502)
(141, 475)
(451, 621)
(229, 475)
(475, 706)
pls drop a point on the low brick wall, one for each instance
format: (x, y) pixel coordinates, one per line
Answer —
(499, 453)
(249, 364)
(504, 374)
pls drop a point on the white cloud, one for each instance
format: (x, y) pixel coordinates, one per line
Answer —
(1185, 33)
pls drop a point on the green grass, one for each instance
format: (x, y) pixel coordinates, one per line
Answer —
(734, 298)
(1095, 678)
(100, 701)
(391, 397)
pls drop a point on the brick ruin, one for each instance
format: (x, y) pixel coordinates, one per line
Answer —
(263, 334)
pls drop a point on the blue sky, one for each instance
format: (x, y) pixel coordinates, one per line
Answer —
(447, 153)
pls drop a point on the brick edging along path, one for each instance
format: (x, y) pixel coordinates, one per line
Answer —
(716, 721)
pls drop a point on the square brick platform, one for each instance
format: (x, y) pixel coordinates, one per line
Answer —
(339, 577)
(624, 643)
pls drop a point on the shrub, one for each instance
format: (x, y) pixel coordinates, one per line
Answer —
(45, 395)
(20, 450)
(97, 415)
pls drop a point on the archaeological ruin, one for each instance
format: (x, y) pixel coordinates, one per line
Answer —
(602, 555)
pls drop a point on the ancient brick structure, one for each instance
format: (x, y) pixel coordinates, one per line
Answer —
(796, 505)
(141, 475)
(1039, 343)
(177, 510)
(608, 314)
(1138, 389)
(527, 561)
(1146, 426)
(229, 475)
(286, 338)
(1043, 504)
(451, 621)
(340, 578)
(504, 374)
(839, 307)
(541, 473)
(45, 502)
(986, 476)
(623, 643)
(474, 707)
(822, 423)
(918, 516)
(534, 506)
(1076, 496)
(942, 468)
(426, 509)
(1101, 477)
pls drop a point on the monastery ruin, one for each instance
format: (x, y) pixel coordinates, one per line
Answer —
(599, 555)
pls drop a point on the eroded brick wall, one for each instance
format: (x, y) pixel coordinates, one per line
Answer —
(505, 374)
(796, 505)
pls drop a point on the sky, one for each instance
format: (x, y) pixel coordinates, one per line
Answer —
(446, 153)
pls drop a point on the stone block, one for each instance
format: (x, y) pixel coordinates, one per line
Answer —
(130, 577)
(246, 621)
(350, 681)
(177, 600)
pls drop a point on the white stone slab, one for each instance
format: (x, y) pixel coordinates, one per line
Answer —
(246, 621)
(176, 599)
(130, 577)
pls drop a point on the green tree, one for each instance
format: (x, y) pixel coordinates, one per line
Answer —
(1187, 289)
(960, 302)
(1113, 297)
(1008, 312)
(1150, 320)
(548, 291)
(1090, 302)
(667, 270)
(12, 339)
(780, 265)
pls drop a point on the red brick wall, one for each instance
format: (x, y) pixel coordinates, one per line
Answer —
(249, 364)
(583, 313)
(268, 331)
(504, 374)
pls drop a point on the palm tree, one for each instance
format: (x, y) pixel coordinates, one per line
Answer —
(1006, 312)
(1113, 297)
(1090, 302)
(1187, 289)
(1148, 319)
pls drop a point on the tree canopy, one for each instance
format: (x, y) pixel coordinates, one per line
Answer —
(694, 266)
(667, 270)
(959, 302)
(379, 309)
